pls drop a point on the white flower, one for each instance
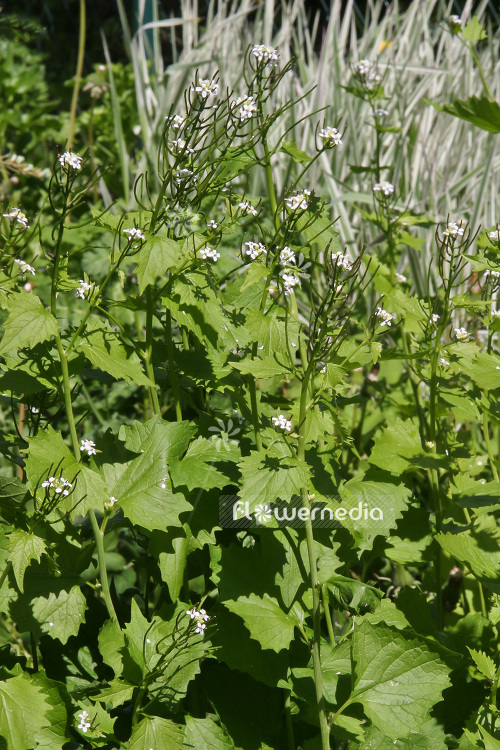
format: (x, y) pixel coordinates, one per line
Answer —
(443, 362)
(386, 317)
(134, 234)
(265, 54)
(380, 112)
(435, 318)
(179, 145)
(298, 200)
(342, 260)
(205, 87)
(493, 274)
(200, 619)
(282, 422)
(209, 252)
(247, 107)
(401, 278)
(17, 214)
(453, 230)
(247, 208)
(212, 224)
(84, 725)
(88, 446)
(495, 313)
(110, 503)
(287, 257)
(330, 136)
(492, 236)
(25, 267)
(289, 282)
(69, 159)
(454, 22)
(254, 249)
(387, 188)
(366, 72)
(83, 289)
(57, 485)
(461, 334)
(182, 175)
(176, 121)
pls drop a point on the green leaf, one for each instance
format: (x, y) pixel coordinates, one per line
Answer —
(483, 113)
(355, 596)
(155, 257)
(157, 733)
(61, 615)
(103, 347)
(158, 436)
(24, 548)
(265, 620)
(118, 693)
(267, 477)
(267, 367)
(473, 31)
(28, 324)
(484, 370)
(198, 468)
(396, 446)
(479, 552)
(490, 743)
(144, 491)
(484, 663)
(206, 734)
(398, 678)
(24, 712)
(291, 148)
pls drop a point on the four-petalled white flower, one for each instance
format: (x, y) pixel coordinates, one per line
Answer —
(386, 318)
(84, 289)
(385, 187)
(84, 725)
(254, 249)
(17, 214)
(69, 159)
(58, 485)
(209, 252)
(299, 199)
(88, 447)
(246, 208)
(200, 617)
(24, 267)
(205, 87)
(282, 423)
(330, 136)
(461, 334)
(265, 55)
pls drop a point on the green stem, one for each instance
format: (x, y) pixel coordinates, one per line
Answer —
(288, 722)
(328, 617)
(494, 699)
(171, 366)
(78, 76)
(137, 704)
(486, 434)
(148, 360)
(103, 575)
(313, 572)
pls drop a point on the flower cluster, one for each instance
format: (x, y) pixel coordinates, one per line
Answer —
(176, 121)
(247, 107)
(492, 236)
(246, 208)
(287, 257)
(385, 317)
(461, 334)
(59, 486)
(330, 136)
(265, 55)
(366, 72)
(84, 289)
(88, 447)
(209, 252)
(69, 159)
(385, 187)
(205, 87)
(289, 282)
(495, 313)
(380, 112)
(110, 503)
(200, 617)
(282, 422)
(342, 260)
(179, 145)
(443, 362)
(453, 230)
(24, 267)
(212, 224)
(84, 725)
(182, 175)
(254, 249)
(435, 318)
(17, 214)
(134, 234)
(493, 274)
(454, 23)
(298, 200)
(401, 278)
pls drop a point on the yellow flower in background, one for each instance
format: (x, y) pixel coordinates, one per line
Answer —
(385, 45)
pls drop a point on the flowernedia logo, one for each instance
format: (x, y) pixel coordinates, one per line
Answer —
(327, 513)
